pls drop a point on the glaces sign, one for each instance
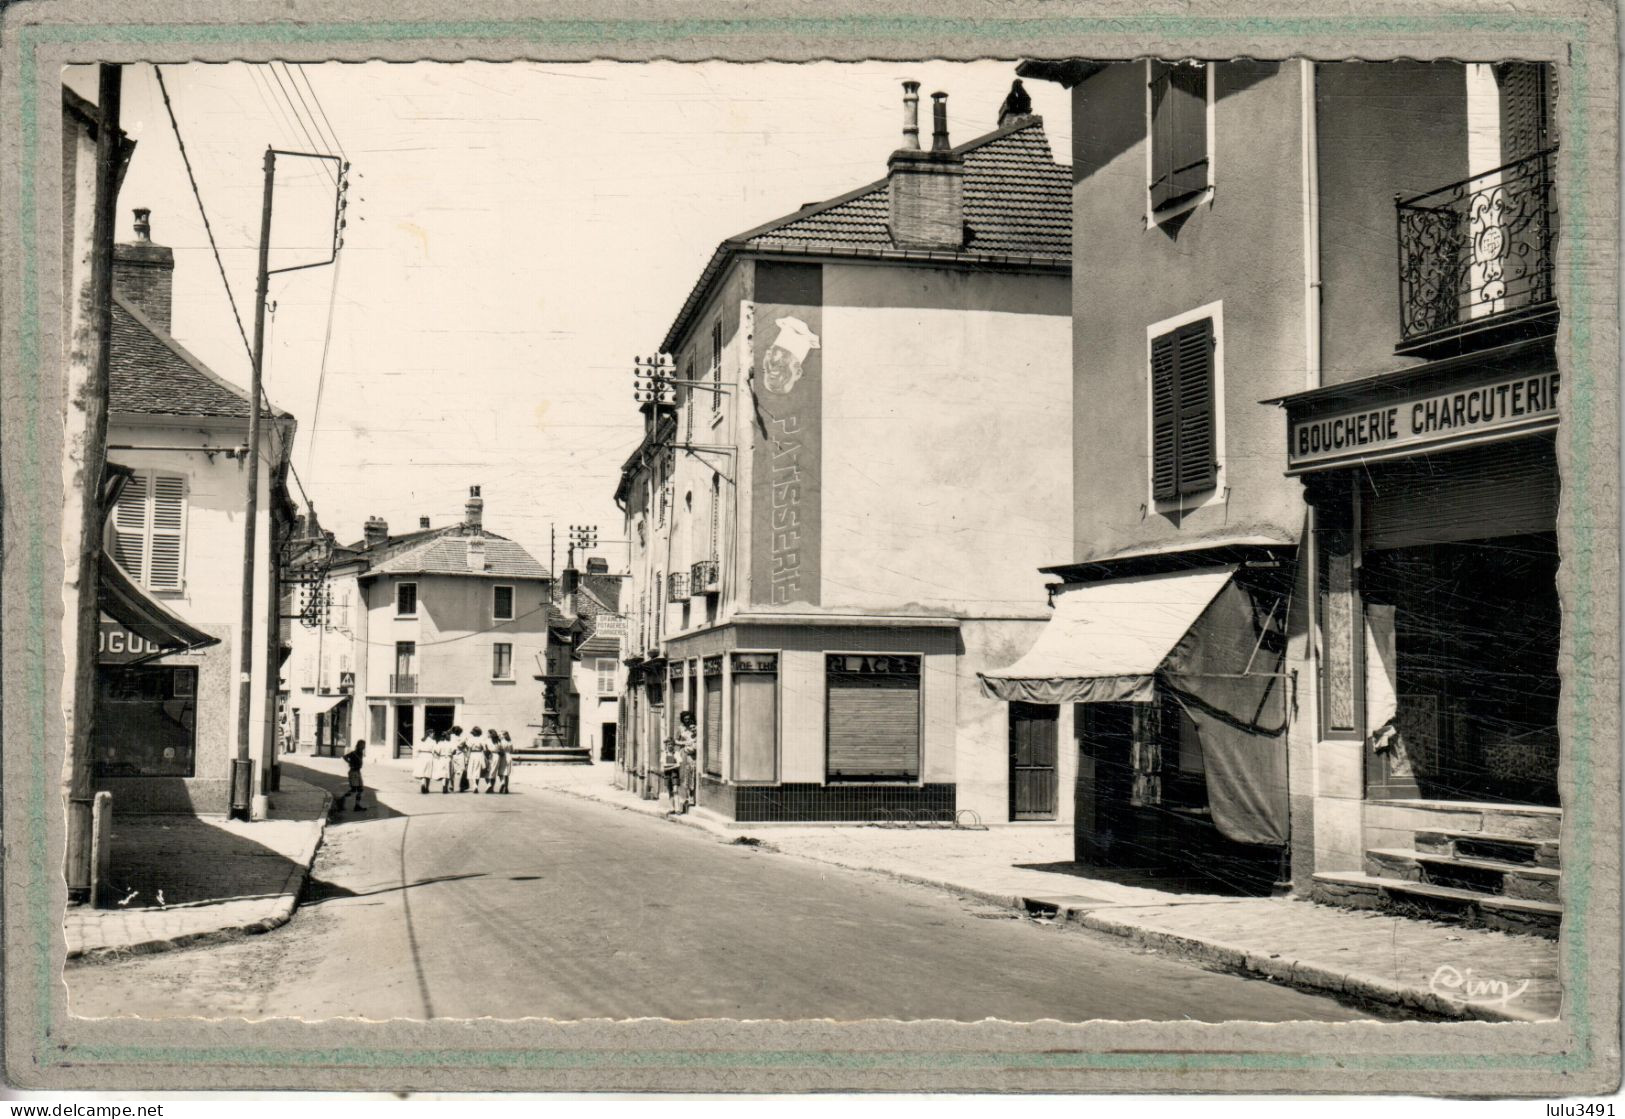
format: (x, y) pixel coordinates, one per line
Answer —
(1435, 420)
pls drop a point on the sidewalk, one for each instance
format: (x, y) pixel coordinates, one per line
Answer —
(1436, 968)
(190, 880)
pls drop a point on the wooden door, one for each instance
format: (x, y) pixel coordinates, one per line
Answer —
(1033, 779)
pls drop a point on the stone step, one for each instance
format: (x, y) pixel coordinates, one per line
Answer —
(1483, 845)
(560, 756)
(1353, 890)
(1487, 876)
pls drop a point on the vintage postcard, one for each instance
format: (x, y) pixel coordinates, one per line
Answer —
(709, 548)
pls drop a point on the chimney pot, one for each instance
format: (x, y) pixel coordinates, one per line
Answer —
(911, 116)
(423, 522)
(375, 531)
(144, 273)
(143, 224)
(474, 510)
(939, 122)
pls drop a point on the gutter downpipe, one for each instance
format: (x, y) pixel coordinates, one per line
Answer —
(1310, 556)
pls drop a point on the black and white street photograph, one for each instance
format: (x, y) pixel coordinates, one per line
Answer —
(1036, 539)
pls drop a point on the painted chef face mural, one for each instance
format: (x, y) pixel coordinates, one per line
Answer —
(784, 358)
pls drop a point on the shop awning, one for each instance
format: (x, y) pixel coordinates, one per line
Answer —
(1106, 641)
(311, 704)
(143, 628)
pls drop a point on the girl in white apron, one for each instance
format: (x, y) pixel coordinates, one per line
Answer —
(423, 761)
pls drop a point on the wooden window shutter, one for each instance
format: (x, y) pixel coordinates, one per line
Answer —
(1164, 417)
(1197, 465)
(1161, 137)
(130, 528)
(1187, 103)
(166, 560)
(1525, 109)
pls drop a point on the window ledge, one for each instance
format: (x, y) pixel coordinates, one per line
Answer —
(1154, 218)
(1190, 502)
(504, 680)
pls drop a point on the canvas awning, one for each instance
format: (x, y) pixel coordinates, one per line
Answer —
(1106, 640)
(311, 704)
(157, 630)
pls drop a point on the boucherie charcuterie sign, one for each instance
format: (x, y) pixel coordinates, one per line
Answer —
(1431, 419)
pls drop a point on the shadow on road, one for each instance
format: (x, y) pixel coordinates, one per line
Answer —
(337, 785)
(318, 890)
(1219, 883)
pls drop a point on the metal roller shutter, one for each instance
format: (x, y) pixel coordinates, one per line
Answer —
(713, 722)
(874, 723)
(1508, 489)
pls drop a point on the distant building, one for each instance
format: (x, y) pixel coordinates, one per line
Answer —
(167, 725)
(600, 676)
(837, 516)
(438, 627)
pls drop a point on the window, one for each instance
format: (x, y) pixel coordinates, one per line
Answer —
(1184, 436)
(149, 723)
(716, 366)
(605, 667)
(502, 604)
(711, 741)
(406, 600)
(406, 653)
(755, 727)
(873, 717)
(716, 506)
(1180, 168)
(688, 401)
(502, 661)
(149, 530)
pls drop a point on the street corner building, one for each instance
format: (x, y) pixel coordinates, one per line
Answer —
(857, 453)
(442, 626)
(1309, 628)
(171, 596)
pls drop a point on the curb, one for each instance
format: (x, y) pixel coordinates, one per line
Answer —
(283, 912)
(1299, 974)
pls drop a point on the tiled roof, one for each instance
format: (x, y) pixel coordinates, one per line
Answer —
(1018, 204)
(600, 646)
(1018, 201)
(448, 555)
(150, 373)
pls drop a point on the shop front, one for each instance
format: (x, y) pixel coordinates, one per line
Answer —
(1434, 494)
(1174, 666)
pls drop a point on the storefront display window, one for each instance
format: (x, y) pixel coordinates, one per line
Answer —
(146, 722)
(755, 717)
(873, 716)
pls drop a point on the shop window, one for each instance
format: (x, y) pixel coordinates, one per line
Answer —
(756, 718)
(872, 717)
(379, 717)
(146, 724)
(406, 600)
(502, 604)
(712, 741)
(1184, 446)
(501, 661)
(1180, 162)
(149, 530)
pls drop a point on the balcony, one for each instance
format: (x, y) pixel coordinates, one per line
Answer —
(1476, 260)
(403, 685)
(677, 587)
(704, 577)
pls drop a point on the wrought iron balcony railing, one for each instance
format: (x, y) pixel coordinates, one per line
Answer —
(1477, 249)
(400, 684)
(677, 587)
(704, 577)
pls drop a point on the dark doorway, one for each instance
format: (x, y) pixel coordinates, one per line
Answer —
(403, 730)
(1103, 829)
(438, 719)
(606, 744)
(1033, 729)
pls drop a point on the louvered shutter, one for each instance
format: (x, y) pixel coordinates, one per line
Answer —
(1196, 456)
(130, 528)
(1187, 111)
(1524, 109)
(713, 725)
(1161, 138)
(874, 722)
(1164, 417)
(166, 562)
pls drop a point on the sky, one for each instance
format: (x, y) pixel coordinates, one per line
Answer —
(516, 234)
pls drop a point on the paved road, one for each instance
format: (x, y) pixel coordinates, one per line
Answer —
(540, 904)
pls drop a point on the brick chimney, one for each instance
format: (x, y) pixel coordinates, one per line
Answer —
(144, 273)
(423, 522)
(597, 565)
(375, 531)
(474, 511)
(475, 549)
(926, 188)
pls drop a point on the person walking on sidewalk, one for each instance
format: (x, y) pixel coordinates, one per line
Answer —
(354, 759)
(478, 759)
(443, 747)
(687, 753)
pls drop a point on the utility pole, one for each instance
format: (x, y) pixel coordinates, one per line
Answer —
(93, 399)
(242, 765)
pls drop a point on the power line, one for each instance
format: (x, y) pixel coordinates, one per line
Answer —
(306, 105)
(322, 109)
(262, 86)
(321, 374)
(301, 123)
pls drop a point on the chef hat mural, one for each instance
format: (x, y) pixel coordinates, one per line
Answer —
(788, 352)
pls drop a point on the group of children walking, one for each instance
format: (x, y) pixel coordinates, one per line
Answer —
(455, 760)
